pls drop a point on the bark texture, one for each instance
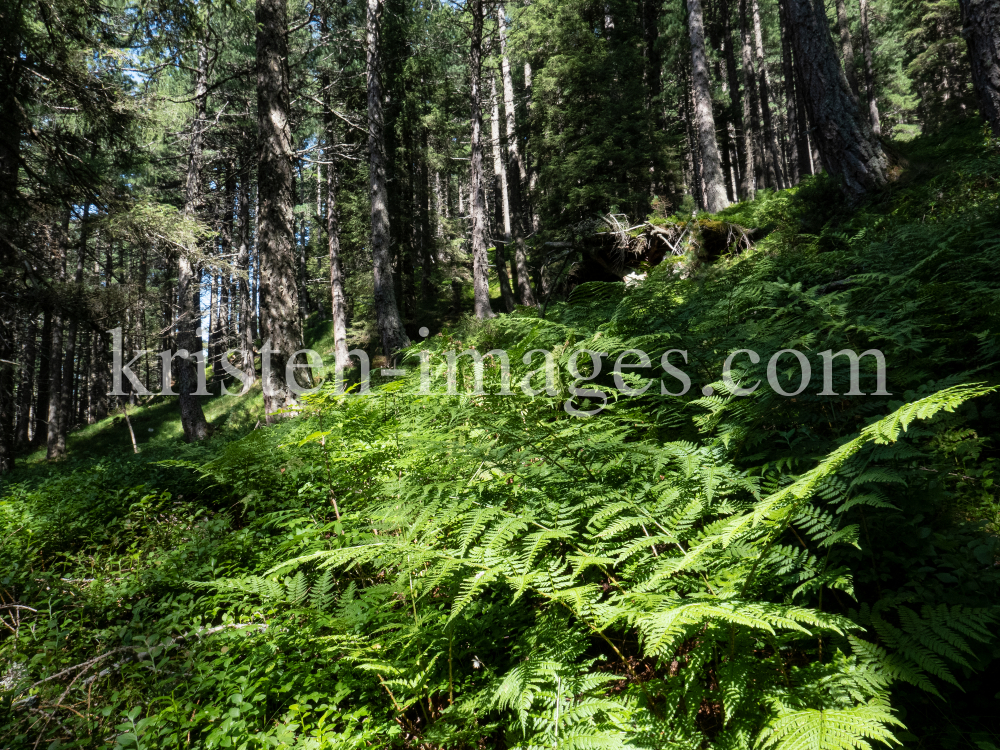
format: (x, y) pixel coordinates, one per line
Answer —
(188, 280)
(714, 180)
(847, 46)
(501, 203)
(736, 102)
(480, 258)
(390, 325)
(847, 146)
(981, 29)
(243, 265)
(517, 172)
(866, 43)
(279, 303)
(751, 109)
(775, 175)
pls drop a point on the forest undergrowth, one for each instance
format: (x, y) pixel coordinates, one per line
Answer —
(400, 569)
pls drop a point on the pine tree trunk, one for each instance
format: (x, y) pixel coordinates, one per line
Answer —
(188, 321)
(751, 112)
(26, 382)
(279, 304)
(981, 29)
(529, 199)
(39, 413)
(866, 43)
(427, 247)
(338, 302)
(390, 325)
(69, 365)
(480, 258)
(773, 156)
(715, 189)
(501, 203)
(736, 104)
(798, 157)
(55, 448)
(6, 390)
(517, 172)
(848, 147)
(246, 333)
(846, 46)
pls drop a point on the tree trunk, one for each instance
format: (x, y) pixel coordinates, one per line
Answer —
(6, 390)
(772, 158)
(501, 203)
(55, 449)
(846, 46)
(26, 383)
(715, 189)
(866, 44)
(390, 325)
(517, 172)
(798, 156)
(848, 147)
(427, 246)
(751, 113)
(736, 106)
(69, 365)
(246, 332)
(188, 279)
(338, 302)
(480, 259)
(279, 304)
(529, 199)
(40, 412)
(981, 29)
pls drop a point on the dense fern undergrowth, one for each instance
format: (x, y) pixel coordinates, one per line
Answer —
(408, 570)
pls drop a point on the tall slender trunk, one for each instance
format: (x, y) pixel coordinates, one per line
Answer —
(736, 103)
(246, 332)
(338, 302)
(773, 157)
(751, 112)
(501, 203)
(517, 173)
(427, 246)
(6, 390)
(55, 448)
(530, 199)
(848, 147)
(981, 29)
(715, 189)
(26, 382)
(866, 44)
(188, 278)
(798, 157)
(69, 363)
(847, 46)
(279, 304)
(480, 259)
(39, 413)
(390, 325)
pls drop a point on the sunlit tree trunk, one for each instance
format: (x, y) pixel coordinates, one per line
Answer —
(501, 203)
(279, 304)
(715, 188)
(773, 157)
(390, 325)
(517, 172)
(193, 419)
(480, 259)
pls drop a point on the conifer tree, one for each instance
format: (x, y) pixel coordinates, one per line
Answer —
(714, 180)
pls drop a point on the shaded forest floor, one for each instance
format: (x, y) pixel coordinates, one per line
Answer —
(152, 616)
